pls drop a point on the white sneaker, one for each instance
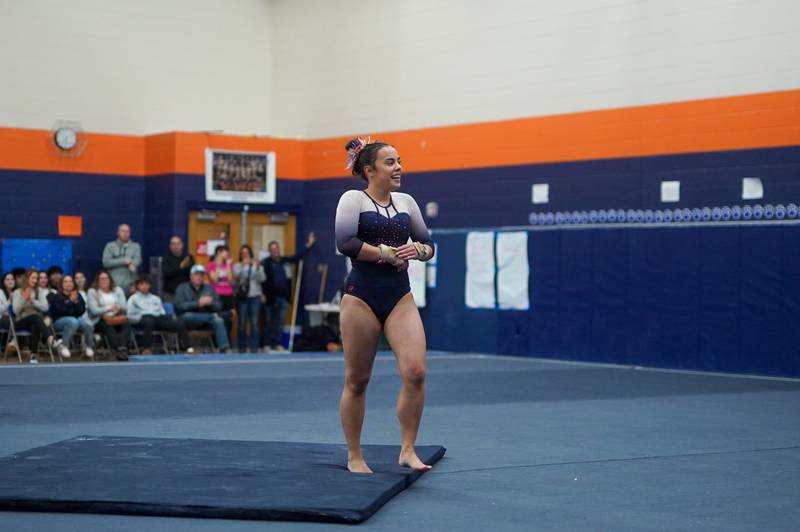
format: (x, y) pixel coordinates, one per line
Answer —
(278, 349)
(64, 351)
(89, 352)
(33, 360)
(190, 350)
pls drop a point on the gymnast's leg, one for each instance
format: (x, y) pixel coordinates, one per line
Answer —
(406, 335)
(360, 333)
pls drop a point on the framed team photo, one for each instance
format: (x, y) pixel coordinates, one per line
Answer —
(240, 177)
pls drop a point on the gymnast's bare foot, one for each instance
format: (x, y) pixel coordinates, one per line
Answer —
(358, 465)
(409, 458)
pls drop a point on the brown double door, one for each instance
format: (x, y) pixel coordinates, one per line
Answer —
(206, 229)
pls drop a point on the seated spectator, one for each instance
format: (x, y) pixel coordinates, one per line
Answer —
(6, 291)
(19, 276)
(68, 310)
(249, 276)
(197, 303)
(122, 257)
(175, 267)
(220, 276)
(107, 308)
(54, 275)
(146, 309)
(44, 283)
(30, 307)
(8, 287)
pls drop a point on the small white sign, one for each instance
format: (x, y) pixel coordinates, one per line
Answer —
(540, 193)
(670, 191)
(752, 188)
(431, 209)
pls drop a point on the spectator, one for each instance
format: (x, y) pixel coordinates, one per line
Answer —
(6, 291)
(107, 306)
(197, 303)
(220, 275)
(80, 283)
(147, 310)
(44, 283)
(175, 267)
(122, 257)
(9, 285)
(19, 276)
(68, 310)
(277, 291)
(249, 275)
(54, 275)
(30, 306)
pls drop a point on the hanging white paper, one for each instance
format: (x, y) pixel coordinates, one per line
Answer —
(512, 270)
(416, 276)
(752, 188)
(540, 193)
(479, 292)
(670, 191)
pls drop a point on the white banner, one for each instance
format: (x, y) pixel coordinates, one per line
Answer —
(512, 271)
(479, 291)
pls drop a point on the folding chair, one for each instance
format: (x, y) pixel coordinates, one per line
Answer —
(10, 339)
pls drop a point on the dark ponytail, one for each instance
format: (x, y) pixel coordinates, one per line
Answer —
(365, 156)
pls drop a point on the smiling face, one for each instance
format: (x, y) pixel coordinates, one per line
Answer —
(80, 280)
(44, 282)
(32, 280)
(387, 171)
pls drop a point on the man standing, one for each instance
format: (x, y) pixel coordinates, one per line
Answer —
(175, 267)
(122, 257)
(277, 291)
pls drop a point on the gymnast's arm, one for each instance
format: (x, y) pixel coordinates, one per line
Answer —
(421, 247)
(346, 228)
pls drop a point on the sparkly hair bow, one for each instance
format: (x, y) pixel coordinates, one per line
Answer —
(354, 148)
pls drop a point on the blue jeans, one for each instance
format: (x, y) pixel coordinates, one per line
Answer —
(69, 325)
(275, 316)
(248, 312)
(220, 332)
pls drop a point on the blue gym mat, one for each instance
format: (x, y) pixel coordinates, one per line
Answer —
(204, 478)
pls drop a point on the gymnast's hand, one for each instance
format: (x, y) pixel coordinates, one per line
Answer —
(414, 250)
(389, 254)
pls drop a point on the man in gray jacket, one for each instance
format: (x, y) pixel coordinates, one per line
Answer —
(197, 303)
(122, 257)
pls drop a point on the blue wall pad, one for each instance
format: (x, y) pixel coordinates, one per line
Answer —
(38, 253)
(222, 479)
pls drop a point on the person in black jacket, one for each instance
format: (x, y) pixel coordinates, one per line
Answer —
(68, 309)
(277, 291)
(175, 267)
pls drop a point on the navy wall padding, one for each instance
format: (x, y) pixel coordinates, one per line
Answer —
(33, 201)
(714, 298)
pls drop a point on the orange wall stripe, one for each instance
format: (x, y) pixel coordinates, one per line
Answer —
(33, 149)
(717, 124)
(740, 122)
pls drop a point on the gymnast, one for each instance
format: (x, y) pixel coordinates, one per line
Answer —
(373, 227)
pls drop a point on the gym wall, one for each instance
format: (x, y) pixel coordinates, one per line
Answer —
(600, 100)
(137, 67)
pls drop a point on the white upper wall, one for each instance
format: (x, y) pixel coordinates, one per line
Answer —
(356, 66)
(136, 66)
(319, 68)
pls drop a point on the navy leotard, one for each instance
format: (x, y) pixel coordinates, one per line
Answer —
(361, 219)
